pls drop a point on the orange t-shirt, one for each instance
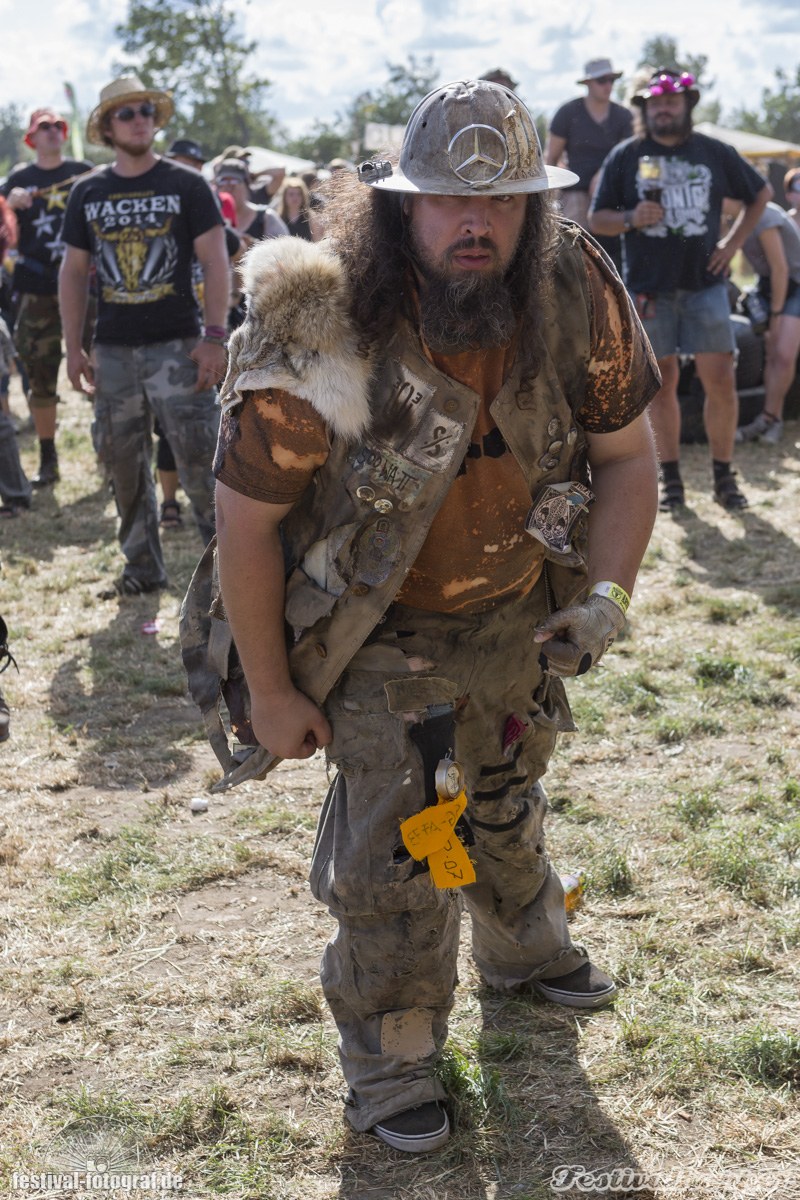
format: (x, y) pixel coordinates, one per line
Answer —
(477, 550)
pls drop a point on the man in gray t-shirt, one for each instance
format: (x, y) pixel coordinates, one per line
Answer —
(585, 130)
(773, 251)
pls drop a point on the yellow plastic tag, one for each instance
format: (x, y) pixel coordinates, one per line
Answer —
(451, 866)
(429, 834)
(429, 830)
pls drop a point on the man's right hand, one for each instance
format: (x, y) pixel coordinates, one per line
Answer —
(20, 198)
(289, 725)
(80, 372)
(647, 213)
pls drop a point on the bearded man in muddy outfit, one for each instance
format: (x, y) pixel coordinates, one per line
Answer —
(434, 464)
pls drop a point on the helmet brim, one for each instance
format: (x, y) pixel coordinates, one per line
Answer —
(554, 178)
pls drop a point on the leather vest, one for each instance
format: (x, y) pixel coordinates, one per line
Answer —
(352, 538)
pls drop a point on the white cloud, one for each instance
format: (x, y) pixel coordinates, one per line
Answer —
(319, 56)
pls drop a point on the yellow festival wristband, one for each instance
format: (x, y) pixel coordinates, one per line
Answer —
(612, 591)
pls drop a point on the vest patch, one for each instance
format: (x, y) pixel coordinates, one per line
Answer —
(390, 471)
(435, 441)
(407, 397)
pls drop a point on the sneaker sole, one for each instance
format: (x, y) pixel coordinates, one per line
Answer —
(421, 1143)
(575, 999)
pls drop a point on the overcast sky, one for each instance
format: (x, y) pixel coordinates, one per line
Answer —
(319, 54)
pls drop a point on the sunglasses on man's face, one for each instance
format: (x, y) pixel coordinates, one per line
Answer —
(228, 180)
(605, 79)
(45, 125)
(130, 111)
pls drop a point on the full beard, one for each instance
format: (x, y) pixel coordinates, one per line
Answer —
(468, 311)
(679, 125)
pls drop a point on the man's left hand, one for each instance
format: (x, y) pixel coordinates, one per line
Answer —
(578, 637)
(212, 362)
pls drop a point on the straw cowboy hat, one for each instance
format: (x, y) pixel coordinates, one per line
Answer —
(121, 92)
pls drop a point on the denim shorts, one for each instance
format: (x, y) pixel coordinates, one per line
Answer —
(792, 306)
(683, 322)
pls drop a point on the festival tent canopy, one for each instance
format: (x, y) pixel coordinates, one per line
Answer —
(751, 145)
(262, 159)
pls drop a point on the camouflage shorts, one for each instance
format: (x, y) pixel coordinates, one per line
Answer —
(38, 339)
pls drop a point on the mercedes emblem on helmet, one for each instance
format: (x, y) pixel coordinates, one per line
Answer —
(471, 155)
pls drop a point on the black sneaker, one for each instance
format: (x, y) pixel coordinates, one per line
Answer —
(726, 493)
(586, 987)
(416, 1130)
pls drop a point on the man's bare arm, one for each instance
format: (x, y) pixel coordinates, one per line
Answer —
(251, 568)
(73, 298)
(212, 255)
(625, 484)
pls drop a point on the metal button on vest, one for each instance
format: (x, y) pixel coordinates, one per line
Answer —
(553, 427)
(321, 650)
(547, 462)
(365, 493)
(450, 405)
(554, 447)
(383, 506)
(572, 437)
(361, 589)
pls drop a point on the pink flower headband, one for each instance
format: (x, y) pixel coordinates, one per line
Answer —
(664, 84)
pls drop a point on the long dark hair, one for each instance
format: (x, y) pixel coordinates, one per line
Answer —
(368, 230)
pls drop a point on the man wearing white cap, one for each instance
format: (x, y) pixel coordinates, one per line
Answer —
(142, 220)
(408, 416)
(584, 130)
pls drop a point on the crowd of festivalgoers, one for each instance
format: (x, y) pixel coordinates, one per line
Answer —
(130, 272)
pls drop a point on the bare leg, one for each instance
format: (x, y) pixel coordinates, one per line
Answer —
(665, 412)
(721, 410)
(783, 344)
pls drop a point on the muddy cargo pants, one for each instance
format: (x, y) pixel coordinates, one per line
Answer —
(426, 682)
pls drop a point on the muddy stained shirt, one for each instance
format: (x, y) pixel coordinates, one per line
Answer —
(477, 551)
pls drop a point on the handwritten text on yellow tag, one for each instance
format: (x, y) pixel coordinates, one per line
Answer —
(429, 834)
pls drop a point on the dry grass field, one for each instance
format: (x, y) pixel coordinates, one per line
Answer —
(159, 968)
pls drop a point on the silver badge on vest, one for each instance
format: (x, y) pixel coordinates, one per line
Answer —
(556, 509)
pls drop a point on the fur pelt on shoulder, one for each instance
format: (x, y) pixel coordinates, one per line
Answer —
(298, 334)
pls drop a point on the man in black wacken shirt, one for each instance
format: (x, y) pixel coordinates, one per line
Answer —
(38, 193)
(141, 220)
(663, 190)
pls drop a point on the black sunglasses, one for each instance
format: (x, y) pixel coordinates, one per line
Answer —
(146, 109)
(605, 79)
(51, 125)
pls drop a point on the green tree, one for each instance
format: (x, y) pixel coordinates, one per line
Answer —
(11, 131)
(661, 50)
(779, 116)
(393, 103)
(193, 48)
(321, 143)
